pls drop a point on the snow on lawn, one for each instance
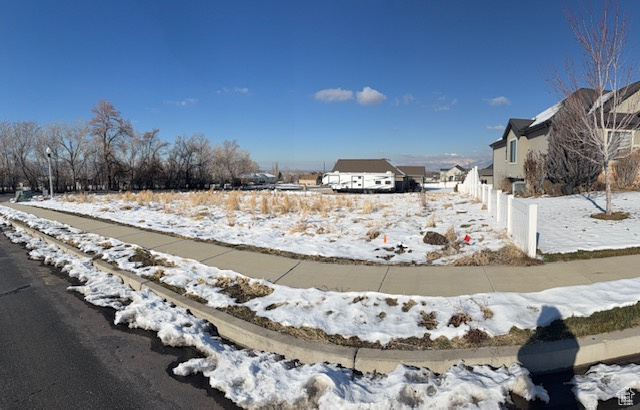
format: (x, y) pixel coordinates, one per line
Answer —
(565, 223)
(256, 380)
(370, 316)
(603, 382)
(310, 223)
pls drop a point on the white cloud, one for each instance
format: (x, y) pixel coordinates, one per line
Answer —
(497, 101)
(334, 94)
(182, 103)
(445, 105)
(369, 96)
(495, 127)
(408, 99)
(236, 90)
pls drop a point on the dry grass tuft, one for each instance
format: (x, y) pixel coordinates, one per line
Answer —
(431, 222)
(372, 234)
(448, 251)
(231, 218)
(451, 234)
(422, 197)
(243, 289)
(428, 320)
(233, 201)
(459, 318)
(264, 206)
(480, 258)
(486, 312)
(615, 216)
(288, 205)
(144, 198)
(146, 258)
(391, 301)
(300, 227)
(105, 245)
(407, 306)
(157, 275)
(475, 337)
(358, 299)
(368, 207)
(253, 203)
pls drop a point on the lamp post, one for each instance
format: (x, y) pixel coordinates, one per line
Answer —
(50, 179)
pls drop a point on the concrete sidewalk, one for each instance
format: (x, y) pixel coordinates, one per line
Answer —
(414, 280)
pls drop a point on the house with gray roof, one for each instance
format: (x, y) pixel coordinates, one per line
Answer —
(523, 135)
(454, 173)
(416, 175)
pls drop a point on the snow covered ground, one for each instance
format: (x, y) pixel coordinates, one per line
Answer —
(565, 223)
(603, 382)
(308, 223)
(370, 316)
(256, 380)
(355, 226)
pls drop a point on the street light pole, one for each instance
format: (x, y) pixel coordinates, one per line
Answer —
(50, 178)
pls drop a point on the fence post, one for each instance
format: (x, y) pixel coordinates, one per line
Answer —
(489, 194)
(510, 214)
(533, 230)
(498, 194)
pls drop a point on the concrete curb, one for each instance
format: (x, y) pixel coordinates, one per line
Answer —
(541, 358)
(242, 333)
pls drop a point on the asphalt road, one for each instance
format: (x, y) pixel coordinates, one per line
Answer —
(59, 352)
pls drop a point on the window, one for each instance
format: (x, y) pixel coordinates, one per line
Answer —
(621, 141)
(512, 151)
(378, 183)
(387, 182)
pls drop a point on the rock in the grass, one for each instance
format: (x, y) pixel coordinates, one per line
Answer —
(434, 238)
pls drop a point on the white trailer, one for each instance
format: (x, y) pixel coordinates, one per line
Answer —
(360, 181)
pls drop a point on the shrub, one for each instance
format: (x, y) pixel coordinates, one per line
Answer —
(626, 170)
(505, 185)
(535, 164)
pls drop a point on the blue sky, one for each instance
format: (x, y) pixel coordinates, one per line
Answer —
(298, 82)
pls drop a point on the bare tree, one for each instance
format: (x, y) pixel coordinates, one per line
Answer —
(191, 161)
(535, 171)
(25, 136)
(150, 169)
(110, 130)
(8, 172)
(569, 163)
(230, 161)
(603, 129)
(70, 147)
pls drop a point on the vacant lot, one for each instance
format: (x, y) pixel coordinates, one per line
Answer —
(386, 228)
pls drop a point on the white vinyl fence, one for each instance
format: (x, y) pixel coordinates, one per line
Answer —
(518, 218)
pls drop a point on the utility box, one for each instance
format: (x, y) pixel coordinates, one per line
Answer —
(518, 187)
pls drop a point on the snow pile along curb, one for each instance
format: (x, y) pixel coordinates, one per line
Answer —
(255, 379)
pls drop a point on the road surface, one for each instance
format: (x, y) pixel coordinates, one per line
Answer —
(59, 352)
